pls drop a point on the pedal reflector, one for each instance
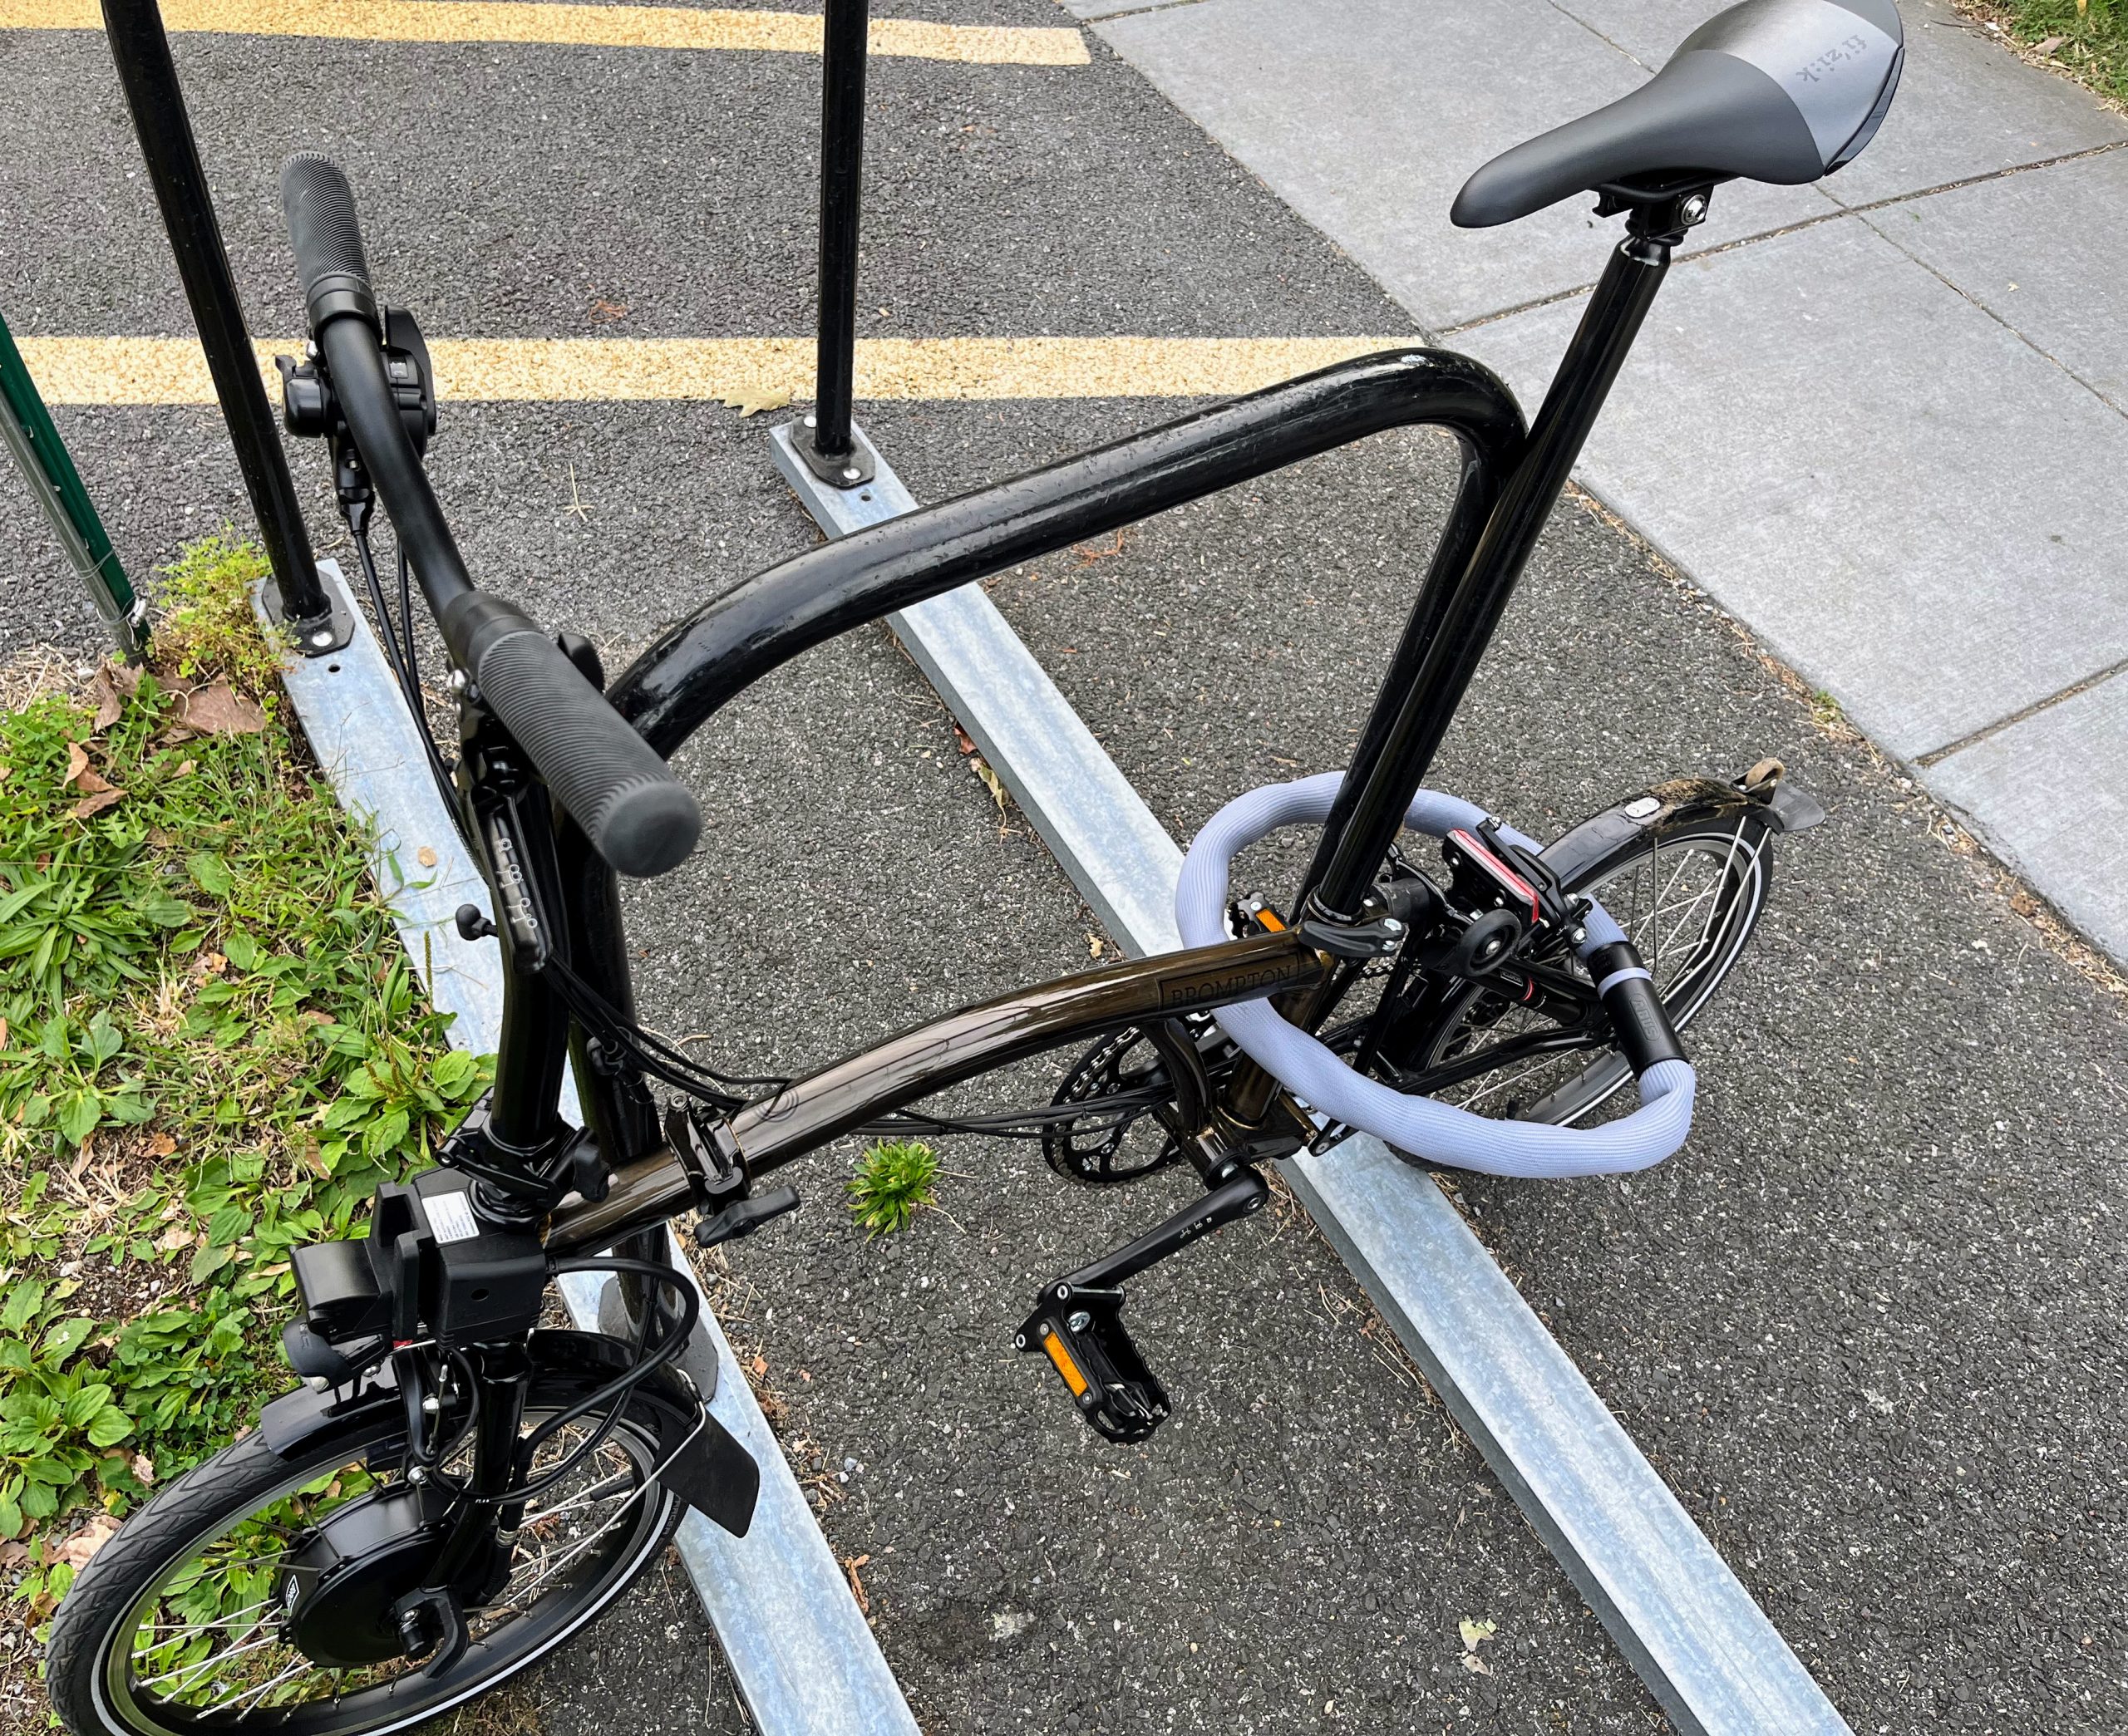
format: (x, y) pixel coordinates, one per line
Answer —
(1065, 1366)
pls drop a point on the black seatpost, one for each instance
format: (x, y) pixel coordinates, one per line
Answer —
(1419, 698)
(152, 94)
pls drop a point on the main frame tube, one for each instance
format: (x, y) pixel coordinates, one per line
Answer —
(807, 1113)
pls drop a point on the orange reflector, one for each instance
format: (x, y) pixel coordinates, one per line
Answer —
(1269, 918)
(1065, 1366)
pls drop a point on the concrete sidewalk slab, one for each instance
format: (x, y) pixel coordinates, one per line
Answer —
(2046, 793)
(1366, 115)
(1965, 105)
(1869, 470)
(2046, 251)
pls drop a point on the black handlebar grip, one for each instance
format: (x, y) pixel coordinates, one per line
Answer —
(637, 815)
(319, 206)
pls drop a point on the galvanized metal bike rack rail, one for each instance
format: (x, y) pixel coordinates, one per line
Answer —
(1691, 1631)
(800, 1650)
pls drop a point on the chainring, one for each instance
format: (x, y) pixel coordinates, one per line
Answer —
(1108, 1146)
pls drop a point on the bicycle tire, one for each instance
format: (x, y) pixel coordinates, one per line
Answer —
(88, 1675)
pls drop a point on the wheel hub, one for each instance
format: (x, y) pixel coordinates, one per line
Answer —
(338, 1589)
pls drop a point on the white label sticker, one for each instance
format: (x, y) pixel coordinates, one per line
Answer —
(450, 1217)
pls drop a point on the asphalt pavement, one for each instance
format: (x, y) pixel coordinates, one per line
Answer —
(1866, 1323)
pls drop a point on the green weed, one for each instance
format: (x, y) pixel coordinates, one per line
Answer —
(211, 1049)
(2089, 38)
(895, 1181)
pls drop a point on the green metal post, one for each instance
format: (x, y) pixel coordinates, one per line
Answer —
(27, 427)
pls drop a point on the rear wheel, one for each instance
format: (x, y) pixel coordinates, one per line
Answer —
(1689, 900)
(178, 1625)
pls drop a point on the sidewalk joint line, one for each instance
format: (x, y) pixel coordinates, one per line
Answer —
(1140, 11)
(1606, 41)
(1936, 756)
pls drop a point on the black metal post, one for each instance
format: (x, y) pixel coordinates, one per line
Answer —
(827, 445)
(149, 79)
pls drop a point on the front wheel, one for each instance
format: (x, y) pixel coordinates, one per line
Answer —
(177, 1626)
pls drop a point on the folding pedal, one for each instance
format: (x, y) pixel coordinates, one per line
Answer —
(1081, 1332)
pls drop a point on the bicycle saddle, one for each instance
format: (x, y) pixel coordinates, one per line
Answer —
(1780, 90)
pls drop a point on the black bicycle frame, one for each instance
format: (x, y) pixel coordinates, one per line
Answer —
(1510, 478)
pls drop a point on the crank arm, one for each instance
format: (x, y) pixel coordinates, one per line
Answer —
(1077, 1320)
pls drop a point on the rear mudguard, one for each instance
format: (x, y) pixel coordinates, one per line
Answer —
(1680, 802)
(710, 1471)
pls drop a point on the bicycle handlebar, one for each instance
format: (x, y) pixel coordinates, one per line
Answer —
(640, 818)
(319, 207)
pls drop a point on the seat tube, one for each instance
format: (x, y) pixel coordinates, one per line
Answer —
(1405, 750)
(1433, 669)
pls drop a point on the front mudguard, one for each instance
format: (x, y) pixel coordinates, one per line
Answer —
(702, 1464)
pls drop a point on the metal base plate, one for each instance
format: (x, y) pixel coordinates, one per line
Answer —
(854, 468)
(313, 639)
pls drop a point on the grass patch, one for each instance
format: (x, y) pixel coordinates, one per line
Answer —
(2087, 39)
(896, 1179)
(211, 1048)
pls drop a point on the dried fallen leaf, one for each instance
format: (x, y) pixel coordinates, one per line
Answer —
(110, 708)
(760, 1366)
(77, 1549)
(184, 768)
(1476, 1633)
(77, 761)
(1475, 1665)
(91, 783)
(963, 739)
(991, 781)
(177, 1236)
(95, 805)
(143, 1468)
(12, 1552)
(425, 856)
(219, 710)
(2049, 45)
(213, 962)
(125, 678)
(857, 1585)
(162, 1146)
(752, 400)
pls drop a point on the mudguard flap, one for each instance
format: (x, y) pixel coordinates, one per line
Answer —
(715, 1475)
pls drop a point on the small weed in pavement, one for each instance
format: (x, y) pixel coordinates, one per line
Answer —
(894, 1181)
(211, 1048)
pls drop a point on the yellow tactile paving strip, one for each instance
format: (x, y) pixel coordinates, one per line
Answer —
(603, 27)
(745, 370)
